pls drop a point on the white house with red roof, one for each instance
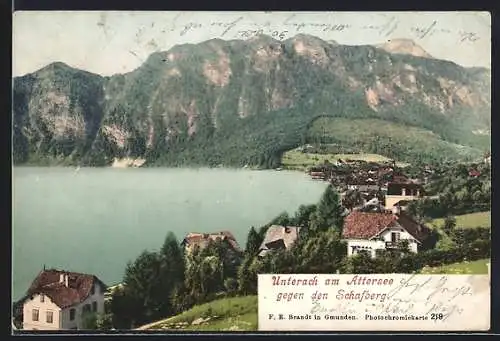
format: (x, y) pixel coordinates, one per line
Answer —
(59, 300)
(372, 231)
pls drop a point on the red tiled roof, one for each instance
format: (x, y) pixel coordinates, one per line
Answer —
(365, 225)
(79, 287)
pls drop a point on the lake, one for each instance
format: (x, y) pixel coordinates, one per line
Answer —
(94, 220)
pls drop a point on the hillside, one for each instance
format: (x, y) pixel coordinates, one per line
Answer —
(238, 102)
(393, 140)
(227, 314)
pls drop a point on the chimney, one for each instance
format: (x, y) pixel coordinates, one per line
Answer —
(396, 209)
(66, 277)
(61, 278)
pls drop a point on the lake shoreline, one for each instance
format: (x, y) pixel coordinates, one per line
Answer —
(63, 208)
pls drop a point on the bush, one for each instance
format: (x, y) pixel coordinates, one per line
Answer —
(231, 285)
(440, 257)
(409, 264)
(90, 321)
(470, 235)
(478, 249)
(104, 322)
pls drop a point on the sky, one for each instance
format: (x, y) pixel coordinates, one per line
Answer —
(109, 42)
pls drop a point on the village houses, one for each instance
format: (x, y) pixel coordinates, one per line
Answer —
(60, 300)
(202, 240)
(383, 230)
(279, 238)
(397, 192)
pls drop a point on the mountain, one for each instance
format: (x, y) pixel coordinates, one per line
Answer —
(404, 46)
(240, 102)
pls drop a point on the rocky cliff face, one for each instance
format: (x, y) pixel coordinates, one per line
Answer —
(258, 94)
(404, 46)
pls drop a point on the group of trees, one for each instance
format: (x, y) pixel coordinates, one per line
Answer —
(458, 192)
(319, 248)
(148, 286)
(160, 284)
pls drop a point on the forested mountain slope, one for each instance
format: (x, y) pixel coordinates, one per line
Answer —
(240, 102)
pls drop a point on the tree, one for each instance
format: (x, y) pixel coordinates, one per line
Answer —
(180, 299)
(329, 213)
(192, 278)
(247, 281)
(353, 199)
(143, 288)
(303, 215)
(231, 285)
(321, 253)
(125, 309)
(449, 224)
(211, 275)
(360, 263)
(282, 219)
(207, 269)
(253, 242)
(171, 273)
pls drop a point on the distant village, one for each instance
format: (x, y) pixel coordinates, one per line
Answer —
(375, 197)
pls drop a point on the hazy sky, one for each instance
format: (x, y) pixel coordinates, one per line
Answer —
(115, 42)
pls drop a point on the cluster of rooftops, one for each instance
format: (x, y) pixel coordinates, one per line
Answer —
(358, 224)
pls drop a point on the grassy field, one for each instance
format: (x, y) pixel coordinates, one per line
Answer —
(364, 134)
(297, 160)
(478, 219)
(477, 267)
(227, 314)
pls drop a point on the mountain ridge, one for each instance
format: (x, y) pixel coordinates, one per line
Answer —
(331, 42)
(404, 46)
(194, 95)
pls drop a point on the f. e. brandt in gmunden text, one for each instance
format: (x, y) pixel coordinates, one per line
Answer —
(374, 302)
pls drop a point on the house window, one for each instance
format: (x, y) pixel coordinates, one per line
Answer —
(86, 308)
(92, 291)
(72, 314)
(42, 298)
(34, 315)
(50, 316)
(395, 236)
(94, 306)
